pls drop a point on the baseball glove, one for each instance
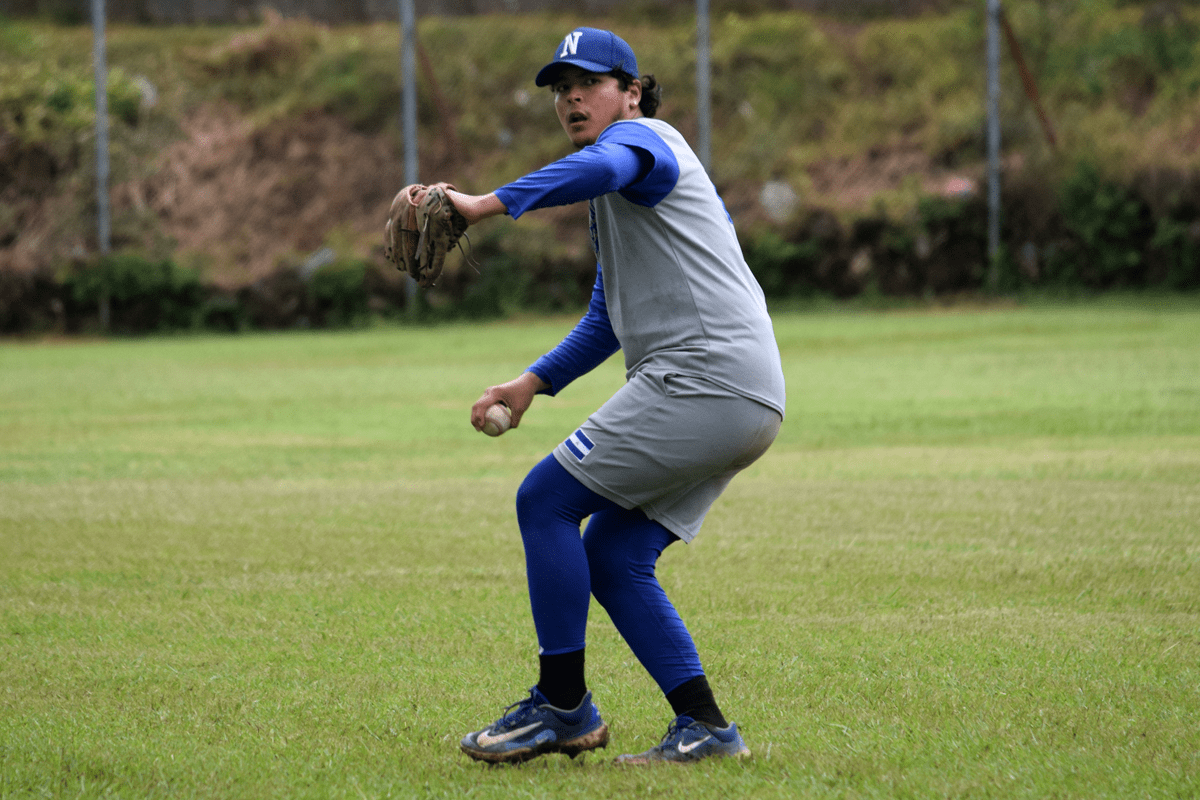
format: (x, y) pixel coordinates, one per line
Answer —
(423, 225)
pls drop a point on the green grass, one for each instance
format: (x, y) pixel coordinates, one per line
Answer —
(285, 565)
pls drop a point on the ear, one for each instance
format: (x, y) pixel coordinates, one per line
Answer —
(635, 94)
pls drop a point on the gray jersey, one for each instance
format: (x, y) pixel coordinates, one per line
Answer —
(680, 296)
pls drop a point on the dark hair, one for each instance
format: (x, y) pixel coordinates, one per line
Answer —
(651, 91)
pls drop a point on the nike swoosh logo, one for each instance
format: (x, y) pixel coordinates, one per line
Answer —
(485, 739)
(684, 749)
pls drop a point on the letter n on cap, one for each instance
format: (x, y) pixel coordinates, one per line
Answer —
(571, 44)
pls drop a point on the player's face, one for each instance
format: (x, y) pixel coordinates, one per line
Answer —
(588, 102)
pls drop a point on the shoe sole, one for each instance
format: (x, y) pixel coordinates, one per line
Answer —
(592, 740)
(641, 759)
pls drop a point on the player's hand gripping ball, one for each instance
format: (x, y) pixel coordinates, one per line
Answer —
(422, 227)
(497, 419)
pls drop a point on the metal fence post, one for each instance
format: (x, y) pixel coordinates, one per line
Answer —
(703, 85)
(100, 70)
(993, 143)
(408, 114)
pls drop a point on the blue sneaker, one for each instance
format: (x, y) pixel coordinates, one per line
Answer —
(533, 727)
(688, 740)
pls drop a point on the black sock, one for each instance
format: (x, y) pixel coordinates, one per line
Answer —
(561, 680)
(693, 698)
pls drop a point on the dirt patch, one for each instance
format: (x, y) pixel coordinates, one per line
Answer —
(248, 199)
(37, 193)
(851, 182)
(242, 199)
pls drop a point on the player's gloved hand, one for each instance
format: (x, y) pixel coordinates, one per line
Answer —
(422, 227)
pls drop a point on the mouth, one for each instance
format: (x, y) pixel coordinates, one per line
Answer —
(576, 117)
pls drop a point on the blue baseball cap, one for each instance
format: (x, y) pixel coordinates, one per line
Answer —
(592, 49)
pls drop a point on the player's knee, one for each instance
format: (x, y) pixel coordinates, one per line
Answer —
(608, 571)
(547, 493)
(601, 559)
(532, 497)
(612, 569)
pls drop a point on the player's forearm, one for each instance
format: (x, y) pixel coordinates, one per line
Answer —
(586, 347)
(532, 380)
(476, 207)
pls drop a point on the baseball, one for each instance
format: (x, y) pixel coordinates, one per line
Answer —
(496, 419)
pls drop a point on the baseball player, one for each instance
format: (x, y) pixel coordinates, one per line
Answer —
(704, 398)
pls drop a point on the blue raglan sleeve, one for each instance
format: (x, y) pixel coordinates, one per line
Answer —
(586, 347)
(627, 158)
(593, 171)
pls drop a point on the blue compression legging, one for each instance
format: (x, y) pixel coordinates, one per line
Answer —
(614, 560)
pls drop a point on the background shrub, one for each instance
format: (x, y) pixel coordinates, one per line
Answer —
(783, 268)
(143, 295)
(1109, 230)
(337, 295)
(1176, 247)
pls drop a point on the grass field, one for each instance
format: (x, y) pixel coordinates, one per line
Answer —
(286, 566)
